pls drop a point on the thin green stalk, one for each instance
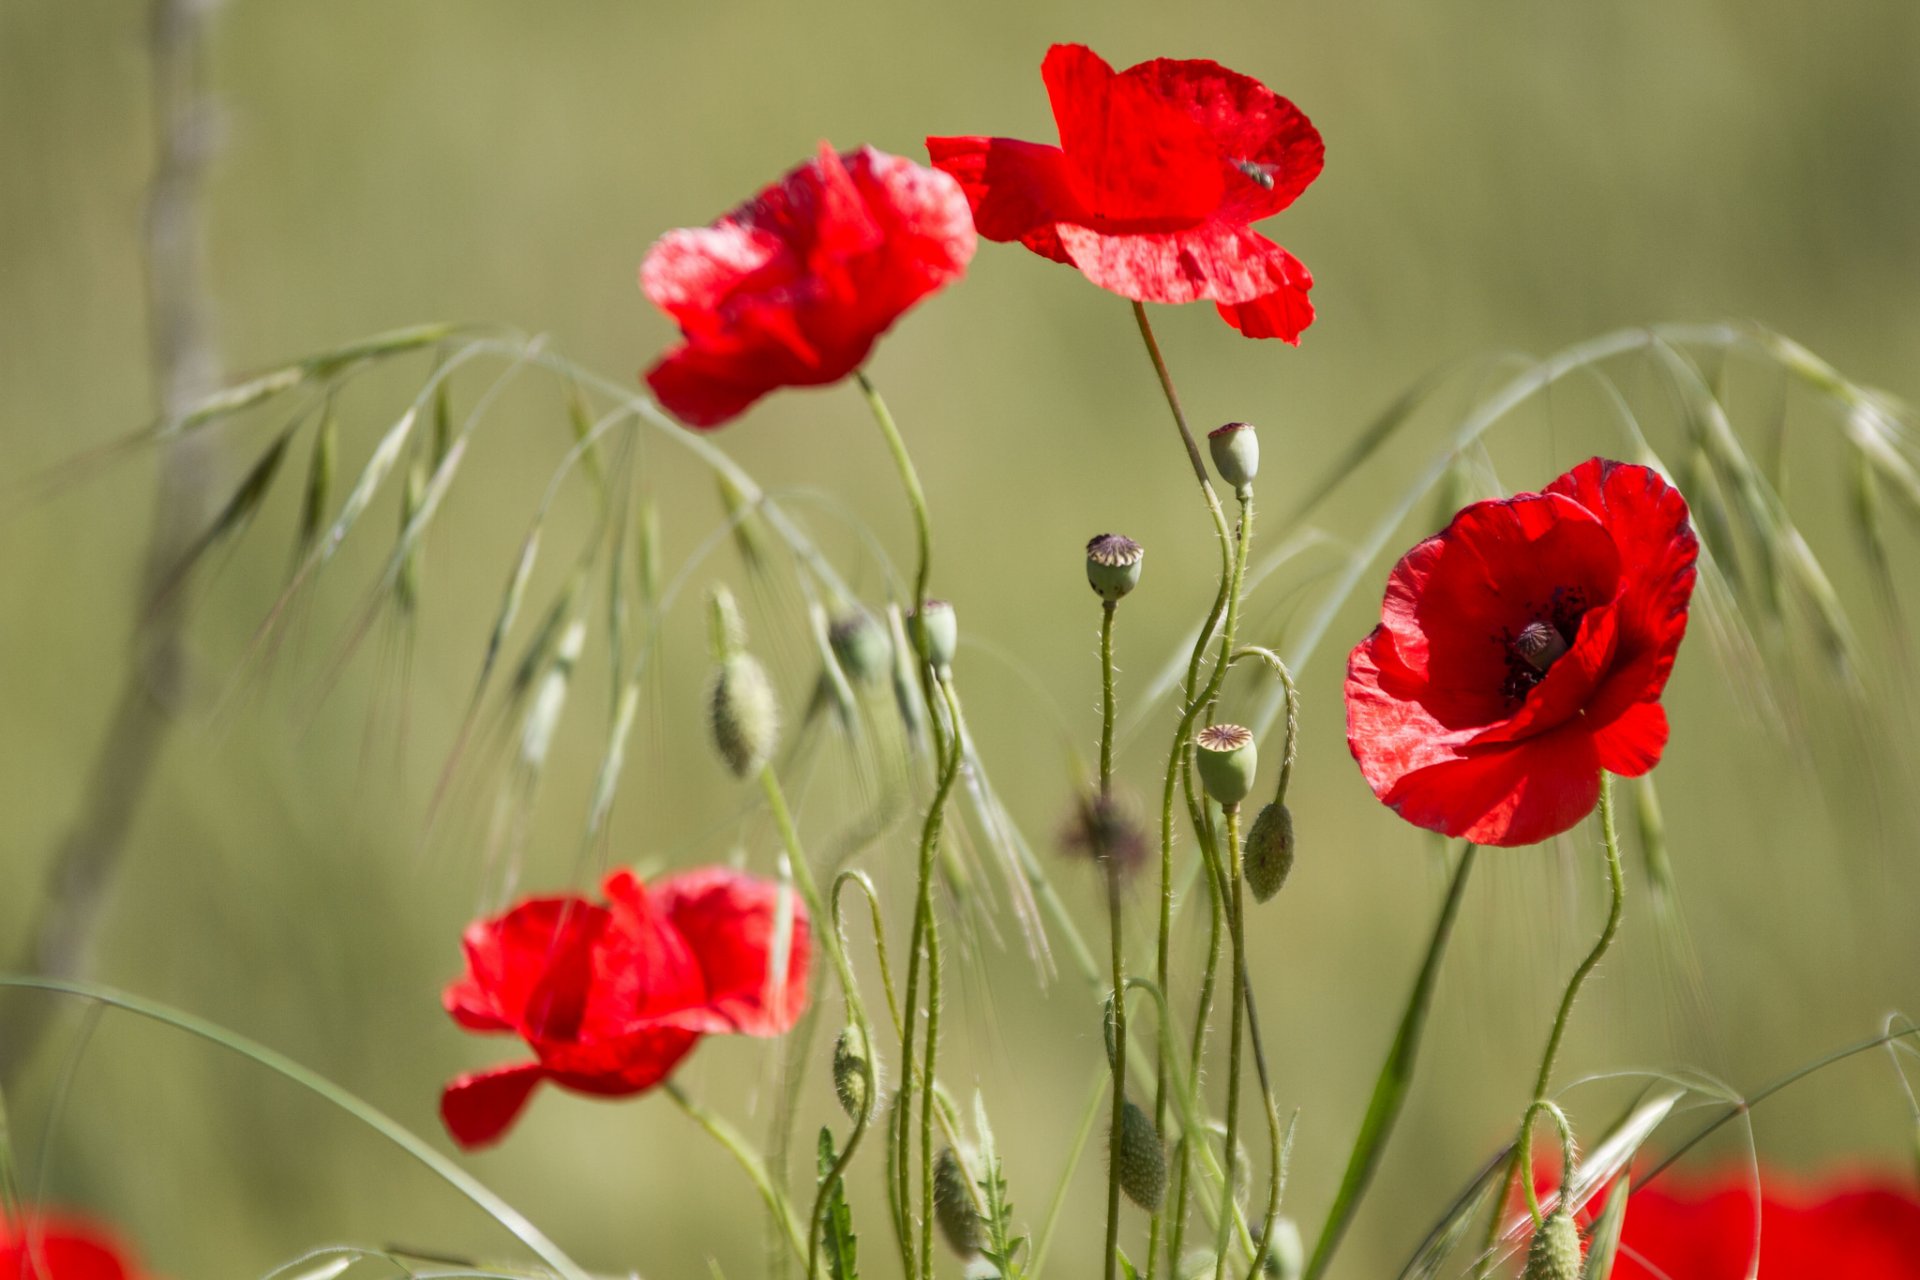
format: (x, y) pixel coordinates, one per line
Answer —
(1117, 1123)
(909, 479)
(1396, 1076)
(1616, 882)
(756, 1170)
(1236, 918)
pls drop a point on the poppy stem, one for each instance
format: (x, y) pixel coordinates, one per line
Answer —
(1117, 1123)
(1236, 1023)
(727, 1136)
(1616, 880)
(909, 479)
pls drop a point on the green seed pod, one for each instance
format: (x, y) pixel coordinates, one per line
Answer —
(1286, 1255)
(935, 632)
(746, 717)
(1113, 565)
(851, 1062)
(1141, 1162)
(1269, 852)
(1236, 453)
(860, 646)
(953, 1205)
(1227, 761)
(726, 630)
(1555, 1251)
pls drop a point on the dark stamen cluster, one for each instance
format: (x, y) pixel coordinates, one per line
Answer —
(1535, 647)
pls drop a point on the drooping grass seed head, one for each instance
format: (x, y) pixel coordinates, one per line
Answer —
(1113, 565)
(852, 1060)
(1269, 851)
(745, 714)
(1104, 830)
(859, 645)
(1555, 1251)
(1227, 760)
(1140, 1161)
(953, 1206)
(936, 633)
(726, 629)
(1236, 453)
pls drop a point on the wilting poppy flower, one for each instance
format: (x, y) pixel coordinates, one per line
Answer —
(1521, 651)
(1852, 1230)
(1160, 171)
(610, 997)
(792, 288)
(57, 1247)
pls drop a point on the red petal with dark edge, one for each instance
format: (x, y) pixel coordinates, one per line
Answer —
(479, 1108)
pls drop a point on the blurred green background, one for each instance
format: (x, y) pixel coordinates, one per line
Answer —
(1504, 175)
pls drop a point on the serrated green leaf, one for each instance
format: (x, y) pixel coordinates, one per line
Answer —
(838, 1245)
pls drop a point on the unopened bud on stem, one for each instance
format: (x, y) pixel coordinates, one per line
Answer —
(1269, 851)
(953, 1205)
(859, 645)
(935, 632)
(1140, 1162)
(1236, 453)
(1113, 565)
(1227, 760)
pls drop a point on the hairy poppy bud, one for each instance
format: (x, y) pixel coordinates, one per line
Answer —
(935, 632)
(953, 1205)
(1113, 565)
(1286, 1255)
(746, 718)
(726, 630)
(859, 645)
(1227, 761)
(1236, 453)
(1269, 853)
(851, 1062)
(1140, 1163)
(1555, 1251)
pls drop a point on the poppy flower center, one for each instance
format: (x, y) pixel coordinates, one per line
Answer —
(1534, 648)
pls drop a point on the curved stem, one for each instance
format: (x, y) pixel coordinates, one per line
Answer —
(1616, 881)
(1117, 1123)
(909, 479)
(725, 1134)
(1235, 921)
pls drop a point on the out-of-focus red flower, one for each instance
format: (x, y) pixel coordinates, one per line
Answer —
(1160, 171)
(792, 288)
(59, 1247)
(1521, 651)
(1853, 1229)
(611, 996)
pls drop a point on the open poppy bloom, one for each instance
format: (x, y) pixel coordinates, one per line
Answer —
(1857, 1230)
(55, 1247)
(1160, 171)
(792, 288)
(1521, 651)
(610, 997)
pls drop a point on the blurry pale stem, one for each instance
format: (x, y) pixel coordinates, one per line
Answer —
(1396, 1076)
(910, 481)
(1109, 859)
(1561, 1123)
(1236, 1021)
(1085, 1130)
(449, 1172)
(1616, 881)
(185, 367)
(756, 1170)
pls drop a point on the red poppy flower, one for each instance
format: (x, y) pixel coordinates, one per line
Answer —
(1160, 171)
(1521, 651)
(792, 288)
(54, 1247)
(612, 996)
(1859, 1230)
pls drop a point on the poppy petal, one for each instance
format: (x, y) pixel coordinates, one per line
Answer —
(1511, 795)
(1218, 260)
(735, 925)
(1132, 154)
(1272, 150)
(478, 1108)
(1631, 743)
(471, 1006)
(1017, 190)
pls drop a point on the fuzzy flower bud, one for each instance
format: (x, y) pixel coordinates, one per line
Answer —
(1555, 1251)
(1140, 1162)
(1113, 565)
(1227, 760)
(1236, 453)
(1269, 851)
(860, 646)
(953, 1205)
(935, 632)
(851, 1062)
(745, 714)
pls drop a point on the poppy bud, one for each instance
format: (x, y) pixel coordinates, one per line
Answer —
(1269, 852)
(726, 630)
(1286, 1255)
(859, 645)
(1236, 453)
(1140, 1163)
(1227, 761)
(935, 632)
(1555, 1251)
(953, 1205)
(851, 1063)
(746, 718)
(1113, 565)
(1104, 829)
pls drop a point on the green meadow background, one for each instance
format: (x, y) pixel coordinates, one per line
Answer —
(1502, 176)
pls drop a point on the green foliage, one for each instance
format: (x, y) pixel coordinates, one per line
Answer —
(838, 1244)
